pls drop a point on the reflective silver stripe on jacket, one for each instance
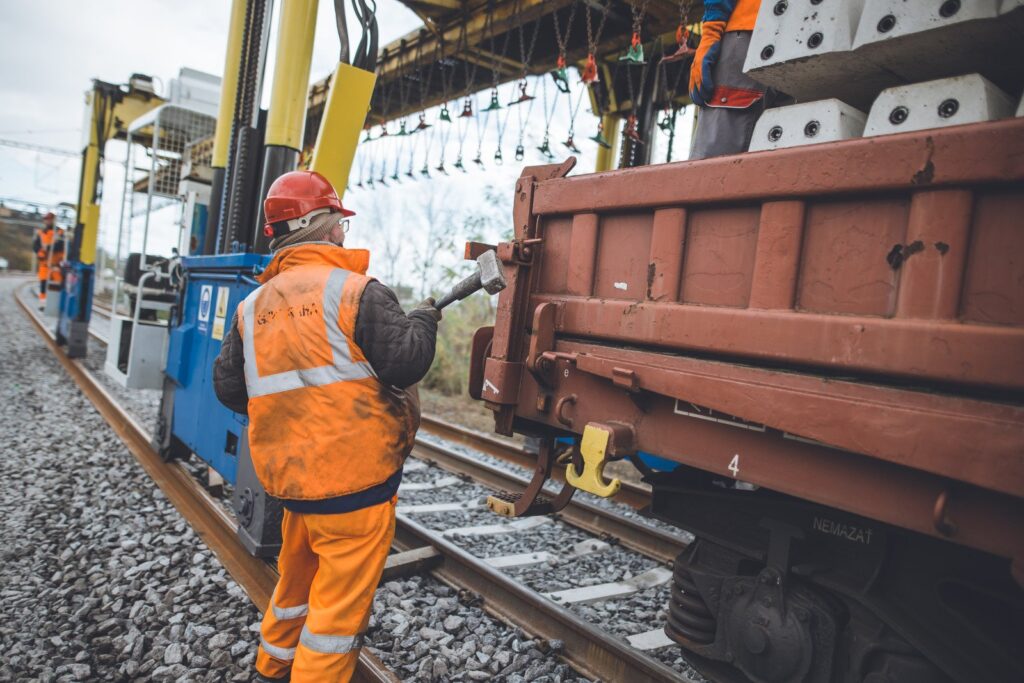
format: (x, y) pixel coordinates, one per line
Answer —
(286, 613)
(329, 645)
(342, 368)
(285, 653)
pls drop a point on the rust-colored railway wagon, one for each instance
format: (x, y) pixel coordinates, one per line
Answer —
(817, 357)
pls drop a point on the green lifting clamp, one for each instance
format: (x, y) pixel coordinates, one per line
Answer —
(545, 148)
(401, 129)
(635, 54)
(444, 115)
(494, 105)
(599, 137)
(571, 144)
(560, 75)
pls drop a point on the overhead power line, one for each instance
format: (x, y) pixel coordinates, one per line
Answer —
(39, 148)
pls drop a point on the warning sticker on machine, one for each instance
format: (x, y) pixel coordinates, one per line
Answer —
(205, 300)
(221, 313)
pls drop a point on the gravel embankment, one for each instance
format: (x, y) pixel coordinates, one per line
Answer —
(101, 578)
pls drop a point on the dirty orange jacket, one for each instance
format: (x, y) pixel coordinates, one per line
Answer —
(321, 424)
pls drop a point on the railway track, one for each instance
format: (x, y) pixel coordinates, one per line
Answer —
(592, 651)
(206, 516)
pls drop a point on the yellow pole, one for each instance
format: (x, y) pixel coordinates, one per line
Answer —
(344, 116)
(606, 155)
(229, 84)
(294, 55)
(88, 210)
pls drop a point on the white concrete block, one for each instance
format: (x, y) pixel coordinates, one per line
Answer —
(808, 123)
(883, 20)
(804, 48)
(937, 104)
(920, 41)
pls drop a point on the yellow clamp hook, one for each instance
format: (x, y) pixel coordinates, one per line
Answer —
(593, 448)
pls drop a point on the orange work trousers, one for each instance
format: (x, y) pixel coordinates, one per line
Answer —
(330, 566)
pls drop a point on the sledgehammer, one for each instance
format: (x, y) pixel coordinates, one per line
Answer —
(488, 277)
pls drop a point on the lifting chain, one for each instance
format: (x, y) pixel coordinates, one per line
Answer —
(559, 75)
(635, 53)
(593, 38)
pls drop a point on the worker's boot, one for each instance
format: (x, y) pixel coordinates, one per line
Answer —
(260, 678)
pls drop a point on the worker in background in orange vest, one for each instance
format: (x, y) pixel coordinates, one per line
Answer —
(48, 246)
(730, 101)
(324, 362)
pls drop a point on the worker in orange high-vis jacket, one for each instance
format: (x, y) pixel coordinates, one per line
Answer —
(730, 101)
(47, 247)
(324, 361)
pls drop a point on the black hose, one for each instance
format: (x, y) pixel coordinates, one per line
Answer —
(241, 129)
(339, 17)
(365, 56)
(229, 171)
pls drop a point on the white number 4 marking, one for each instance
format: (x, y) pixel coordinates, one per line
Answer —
(734, 465)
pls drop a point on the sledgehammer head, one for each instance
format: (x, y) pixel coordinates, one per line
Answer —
(488, 277)
(492, 277)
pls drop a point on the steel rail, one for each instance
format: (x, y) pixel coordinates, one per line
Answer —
(594, 653)
(631, 494)
(204, 514)
(647, 540)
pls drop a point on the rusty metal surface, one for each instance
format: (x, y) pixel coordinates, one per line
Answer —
(634, 495)
(864, 294)
(204, 514)
(983, 153)
(645, 539)
(867, 265)
(866, 486)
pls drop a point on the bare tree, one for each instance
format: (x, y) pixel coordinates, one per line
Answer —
(387, 234)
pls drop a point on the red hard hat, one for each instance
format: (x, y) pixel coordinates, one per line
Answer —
(295, 194)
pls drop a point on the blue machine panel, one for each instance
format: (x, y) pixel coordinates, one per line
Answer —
(215, 286)
(655, 462)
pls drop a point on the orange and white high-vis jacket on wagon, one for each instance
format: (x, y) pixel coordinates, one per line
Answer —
(321, 424)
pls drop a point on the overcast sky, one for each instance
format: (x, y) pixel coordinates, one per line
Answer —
(52, 49)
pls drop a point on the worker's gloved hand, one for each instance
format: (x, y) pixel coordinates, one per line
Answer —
(701, 81)
(427, 306)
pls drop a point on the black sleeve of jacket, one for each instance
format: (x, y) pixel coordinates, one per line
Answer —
(229, 372)
(37, 243)
(400, 347)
